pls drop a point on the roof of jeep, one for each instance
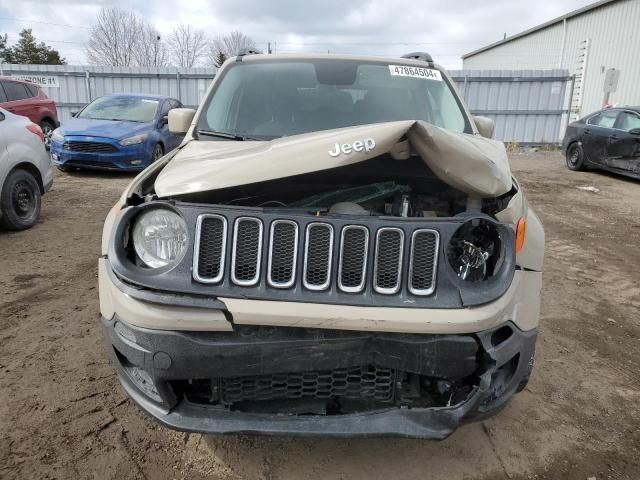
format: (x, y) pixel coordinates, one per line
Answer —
(262, 57)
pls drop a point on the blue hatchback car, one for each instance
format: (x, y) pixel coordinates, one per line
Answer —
(119, 131)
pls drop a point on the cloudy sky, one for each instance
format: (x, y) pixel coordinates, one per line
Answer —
(447, 29)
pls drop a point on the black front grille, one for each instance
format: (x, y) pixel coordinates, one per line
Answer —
(282, 253)
(92, 164)
(89, 147)
(353, 258)
(388, 260)
(210, 249)
(318, 251)
(247, 251)
(424, 249)
(287, 254)
(368, 382)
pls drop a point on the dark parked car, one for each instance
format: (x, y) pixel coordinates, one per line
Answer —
(119, 131)
(28, 100)
(608, 139)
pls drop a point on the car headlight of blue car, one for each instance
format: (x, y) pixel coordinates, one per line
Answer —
(136, 139)
(57, 136)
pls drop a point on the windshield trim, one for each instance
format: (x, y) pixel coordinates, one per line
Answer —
(204, 106)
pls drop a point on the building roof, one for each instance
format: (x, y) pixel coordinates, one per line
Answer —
(562, 18)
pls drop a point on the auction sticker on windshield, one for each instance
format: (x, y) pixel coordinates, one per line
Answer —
(416, 72)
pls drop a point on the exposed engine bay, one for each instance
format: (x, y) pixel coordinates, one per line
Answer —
(361, 189)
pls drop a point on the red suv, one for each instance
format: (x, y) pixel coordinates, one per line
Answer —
(28, 100)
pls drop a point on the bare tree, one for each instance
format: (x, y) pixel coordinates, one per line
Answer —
(150, 51)
(187, 45)
(114, 37)
(227, 46)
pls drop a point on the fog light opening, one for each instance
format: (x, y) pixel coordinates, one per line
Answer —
(501, 335)
(140, 377)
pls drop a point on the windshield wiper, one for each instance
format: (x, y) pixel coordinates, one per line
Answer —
(230, 136)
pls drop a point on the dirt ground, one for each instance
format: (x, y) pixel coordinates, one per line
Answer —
(64, 415)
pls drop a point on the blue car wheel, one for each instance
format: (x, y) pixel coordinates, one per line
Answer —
(158, 152)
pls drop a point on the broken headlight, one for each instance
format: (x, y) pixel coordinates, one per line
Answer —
(475, 250)
(160, 237)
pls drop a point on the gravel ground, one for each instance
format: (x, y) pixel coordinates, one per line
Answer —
(64, 415)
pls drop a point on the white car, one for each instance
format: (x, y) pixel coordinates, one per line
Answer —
(25, 171)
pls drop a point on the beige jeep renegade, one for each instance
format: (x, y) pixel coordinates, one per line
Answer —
(337, 248)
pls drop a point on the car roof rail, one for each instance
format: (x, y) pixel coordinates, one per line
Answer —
(424, 56)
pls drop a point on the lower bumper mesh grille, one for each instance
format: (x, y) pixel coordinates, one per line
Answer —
(369, 382)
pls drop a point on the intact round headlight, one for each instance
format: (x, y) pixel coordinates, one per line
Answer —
(160, 238)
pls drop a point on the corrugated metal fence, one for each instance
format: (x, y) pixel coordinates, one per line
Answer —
(74, 86)
(528, 106)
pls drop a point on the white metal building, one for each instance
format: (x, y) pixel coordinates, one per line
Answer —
(587, 42)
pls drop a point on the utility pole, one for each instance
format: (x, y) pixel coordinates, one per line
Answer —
(155, 51)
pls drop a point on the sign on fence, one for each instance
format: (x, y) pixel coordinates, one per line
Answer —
(49, 81)
(611, 80)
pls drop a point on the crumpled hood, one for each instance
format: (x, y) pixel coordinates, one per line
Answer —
(470, 163)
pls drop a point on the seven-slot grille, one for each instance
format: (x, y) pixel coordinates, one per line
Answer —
(370, 382)
(318, 250)
(422, 267)
(314, 244)
(283, 253)
(89, 147)
(353, 258)
(208, 264)
(247, 251)
(388, 261)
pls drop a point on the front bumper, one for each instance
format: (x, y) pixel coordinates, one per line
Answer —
(129, 158)
(158, 367)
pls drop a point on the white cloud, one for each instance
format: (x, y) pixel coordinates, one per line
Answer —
(381, 27)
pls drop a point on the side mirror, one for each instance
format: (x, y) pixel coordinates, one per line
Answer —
(73, 114)
(180, 120)
(163, 120)
(635, 131)
(485, 126)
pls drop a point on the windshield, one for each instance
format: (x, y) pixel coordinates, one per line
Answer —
(275, 99)
(130, 109)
